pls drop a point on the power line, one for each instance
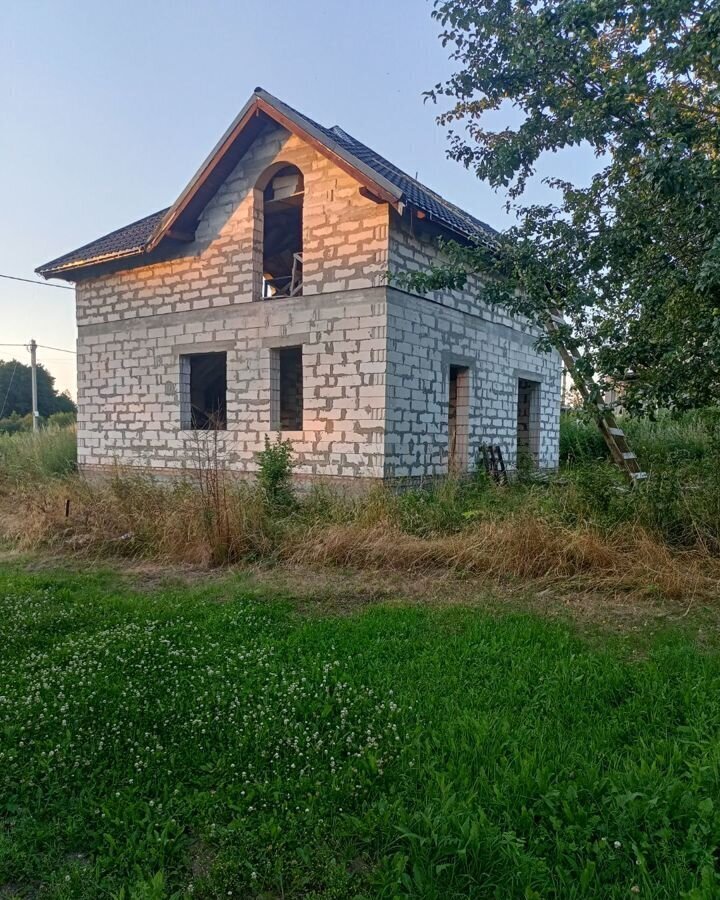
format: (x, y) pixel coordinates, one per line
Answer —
(44, 346)
(59, 349)
(62, 287)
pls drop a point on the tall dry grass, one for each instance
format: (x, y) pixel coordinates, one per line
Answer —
(586, 526)
(519, 548)
(131, 516)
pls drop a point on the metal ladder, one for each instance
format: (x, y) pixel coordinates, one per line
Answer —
(614, 436)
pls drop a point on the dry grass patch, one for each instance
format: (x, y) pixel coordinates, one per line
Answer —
(210, 520)
(524, 548)
(132, 516)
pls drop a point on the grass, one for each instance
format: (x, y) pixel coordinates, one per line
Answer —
(204, 741)
(50, 453)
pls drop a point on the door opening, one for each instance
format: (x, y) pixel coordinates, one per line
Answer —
(528, 423)
(458, 419)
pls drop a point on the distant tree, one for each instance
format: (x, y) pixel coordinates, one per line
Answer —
(633, 259)
(16, 391)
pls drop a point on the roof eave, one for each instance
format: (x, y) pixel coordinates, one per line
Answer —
(58, 271)
(467, 236)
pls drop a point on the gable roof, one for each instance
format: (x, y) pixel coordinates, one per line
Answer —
(178, 222)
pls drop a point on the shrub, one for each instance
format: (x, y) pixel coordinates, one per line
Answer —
(275, 473)
(62, 419)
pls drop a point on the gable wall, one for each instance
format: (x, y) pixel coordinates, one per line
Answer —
(134, 324)
(345, 243)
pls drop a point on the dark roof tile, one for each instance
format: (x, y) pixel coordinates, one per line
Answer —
(133, 238)
(422, 197)
(129, 239)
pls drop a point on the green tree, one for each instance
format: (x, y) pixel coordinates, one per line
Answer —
(16, 391)
(633, 259)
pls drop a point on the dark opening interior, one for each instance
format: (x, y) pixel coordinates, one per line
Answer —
(282, 234)
(208, 390)
(291, 388)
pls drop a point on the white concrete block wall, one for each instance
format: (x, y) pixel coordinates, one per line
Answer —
(345, 243)
(424, 339)
(413, 247)
(426, 335)
(129, 402)
(133, 325)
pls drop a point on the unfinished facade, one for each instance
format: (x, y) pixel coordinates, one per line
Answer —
(258, 304)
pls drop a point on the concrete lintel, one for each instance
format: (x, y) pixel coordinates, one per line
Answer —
(528, 375)
(186, 347)
(455, 359)
(286, 340)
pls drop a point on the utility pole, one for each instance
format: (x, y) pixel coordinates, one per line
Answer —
(33, 367)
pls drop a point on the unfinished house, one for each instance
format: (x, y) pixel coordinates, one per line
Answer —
(258, 304)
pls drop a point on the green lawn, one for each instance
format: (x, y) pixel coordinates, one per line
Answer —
(205, 742)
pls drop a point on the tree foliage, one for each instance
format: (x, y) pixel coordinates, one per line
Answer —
(16, 391)
(633, 259)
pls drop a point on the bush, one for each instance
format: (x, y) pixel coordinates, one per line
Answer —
(61, 419)
(15, 423)
(275, 473)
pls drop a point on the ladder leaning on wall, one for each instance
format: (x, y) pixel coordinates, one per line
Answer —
(614, 436)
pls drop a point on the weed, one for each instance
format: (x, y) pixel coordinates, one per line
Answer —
(210, 517)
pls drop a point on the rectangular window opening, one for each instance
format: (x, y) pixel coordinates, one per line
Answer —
(528, 422)
(286, 394)
(203, 391)
(458, 419)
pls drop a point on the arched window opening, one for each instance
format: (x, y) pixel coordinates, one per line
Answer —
(282, 234)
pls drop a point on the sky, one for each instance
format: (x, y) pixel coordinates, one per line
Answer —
(109, 108)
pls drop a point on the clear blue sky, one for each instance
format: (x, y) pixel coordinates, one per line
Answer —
(108, 109)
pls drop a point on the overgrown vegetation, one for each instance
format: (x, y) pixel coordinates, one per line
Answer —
(275, 465)
(15, 423)
(582, 524)
(28, 457)
(170, 745)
